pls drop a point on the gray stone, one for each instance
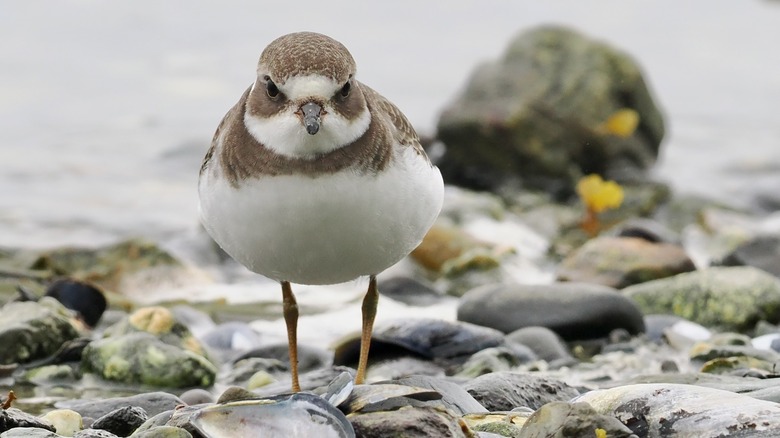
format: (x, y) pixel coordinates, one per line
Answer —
(142, 358)
(563, 420)
(95, 433)
(14, 418)
(685, 410)
(575, 311)
(762, 252)
(622, 261)
(163, 432)
(542, 341)
(729, 298)
(33, 330)
(29, 432)
(122, 421)
(537, 115)
(454, 397)
(408, 423)
(504, 391)
(153, 403)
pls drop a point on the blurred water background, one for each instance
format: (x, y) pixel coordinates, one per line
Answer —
(106, 108)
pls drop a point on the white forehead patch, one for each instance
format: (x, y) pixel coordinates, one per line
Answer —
(298, 87)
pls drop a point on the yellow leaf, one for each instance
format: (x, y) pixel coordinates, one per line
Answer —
(601, 433)
(621, 123)
(599, 195)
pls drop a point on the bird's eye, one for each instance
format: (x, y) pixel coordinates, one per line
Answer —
(345, 89)
(271, 88)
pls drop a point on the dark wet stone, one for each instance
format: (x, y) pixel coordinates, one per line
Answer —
(563, 420)
(729, 298)
(122, 421)
(30, 330)
(196, 396)
(12, 418)
(425, 337)
(153, 403)
(143, 358)
(453, 396)
(622, 261)
(409, 291)
(408, 423)
(575, 311)
(309, 357)
(85, 299)
(505, 391)
(531, 115)
(686, 410)
(544, 342)
(761, 252)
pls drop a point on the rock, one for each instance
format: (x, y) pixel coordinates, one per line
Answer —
(647, 229)
(52, 374)
(29, 432)
(196, 396)
(142, 358)
(81, 297)
(572, 310)
(65, 421)
(498, 429)
(686, 410)
(453, 396)
(153, 403)
(426, 337)
(94, 433)
(761, 252)
(758, 388)
(489, 360)
(622, 261)
(407, 422)
(409, 291)
(448, 250)
(542, 341)
(164, 432)
(315, 381)
(160, 322)
(539, 115)
(231, 339)
(729, 298)
(504, 391)
(243, 370)
(309, 357)
(122, 421)
(14, 418)
(562, 420)
(30, 330)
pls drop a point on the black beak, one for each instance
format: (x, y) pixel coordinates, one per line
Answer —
(311, 117)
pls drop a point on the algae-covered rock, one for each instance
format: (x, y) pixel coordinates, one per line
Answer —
(545, 113)
(142, 358)
(622, 261)
(33, 330)
(561, 419)
(160, 322)
(731, 298)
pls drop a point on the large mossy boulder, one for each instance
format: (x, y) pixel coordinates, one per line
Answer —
(544, 115)
(33, 330)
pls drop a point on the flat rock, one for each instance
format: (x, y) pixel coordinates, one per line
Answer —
(575, 311)
(622, 261)
(408, 423)
(563, 420)
(674, 410)
(537, 115)
(504, 391)
(729, 298)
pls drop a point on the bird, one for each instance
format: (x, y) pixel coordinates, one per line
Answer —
(314, 178)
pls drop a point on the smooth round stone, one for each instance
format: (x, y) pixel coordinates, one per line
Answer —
(685, 410)
(622, 261)
(544, 342)
(122, 421)
(729, 298)
(409, 291)
(231, 338)
(762, 252)
(562, 419)
(769, 341)
(683, 334)
(575, 311)
(504, 391)
(65, 421)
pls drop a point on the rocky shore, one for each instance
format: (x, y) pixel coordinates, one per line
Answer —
(658, 317)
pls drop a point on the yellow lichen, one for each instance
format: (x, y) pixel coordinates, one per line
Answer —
(601, 433)
(621, 123)
(599, 195)
(154, 320)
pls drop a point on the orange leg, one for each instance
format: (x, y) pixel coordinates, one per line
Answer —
(290, 311)
(369, 313)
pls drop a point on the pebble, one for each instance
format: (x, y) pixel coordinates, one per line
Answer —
(504, 391)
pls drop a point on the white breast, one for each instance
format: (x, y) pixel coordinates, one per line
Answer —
(328, 229)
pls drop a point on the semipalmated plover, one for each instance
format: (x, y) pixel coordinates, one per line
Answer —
(315, 178)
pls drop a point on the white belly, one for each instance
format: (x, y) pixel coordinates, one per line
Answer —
(323, 230)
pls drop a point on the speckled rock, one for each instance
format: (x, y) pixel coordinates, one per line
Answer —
(504, 391)
(533, 114)
(33, 330)
(574, 311)
(142, 358)
(730, 298)
(408, 423)
(563, 420)
(160, 322)
(622, 261)
(675, 410)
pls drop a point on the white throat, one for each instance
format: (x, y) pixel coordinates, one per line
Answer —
(286, 135)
